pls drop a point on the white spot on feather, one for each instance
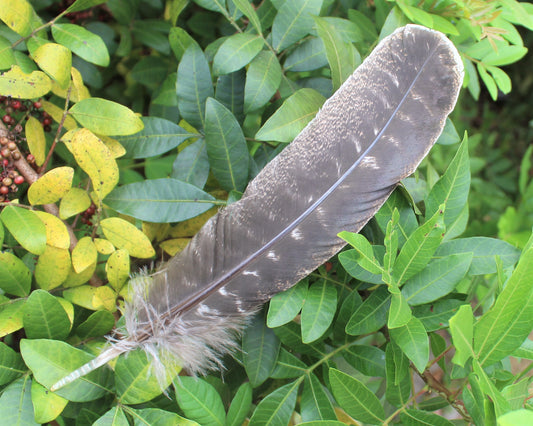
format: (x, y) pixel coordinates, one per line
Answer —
(273, 256)
(222, 291)
(370, 162)
(296, 234)
(254, 273)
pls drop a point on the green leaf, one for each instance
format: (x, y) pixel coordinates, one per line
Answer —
(47, 406)
(160, 200)
(98, 324)
(277, 407)
(452, 188)
(156, 417)
(150, 71)
(15, 278)
(51, 360)
(192, 164)
(399, 313)
(293, 21)
(44, 317)
(510, 320)
(315, 403)
(179, 40)
(288, 366)
(106, 117)
(355, 398)
(240, 405)
(437, 315)
(11, 364)
(369, 360)
(438, 279)
(7, 55)
(26, 228)
(474, 400)
(462, 331)
(412, 417)
(517, 417)
(115, 417)
(248, 10)
(413, 340)
(365, 255)
(193, 86)
(56, 61)
(16, 407)
(11, 314)
(407, 222)
(308, 56)
(214, 5)
(260, 351)
(157, 137)
(152, 33)
(262, 80)
(501, 79)
(230, 93)
(449, 135)
(83, 4)
(371, 315)
(504, 56)
(199, 400)
(235, 52)
(419, 248)
(501, 406)
(291, 118)
(133, 382)
(488, 80)
(342, 56)
(82, 42)
(318, 311)
(226, 147)
(484, 251)
(285, 306)
(398, 383)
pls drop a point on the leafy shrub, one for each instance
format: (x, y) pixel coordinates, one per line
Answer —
(222, 87)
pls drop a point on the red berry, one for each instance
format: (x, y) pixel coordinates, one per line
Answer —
(30, 158)
(6, 119)
(4, 190)
(18, 180)
(47, 121)
(37, 104)
(16, 104)
(5, 162)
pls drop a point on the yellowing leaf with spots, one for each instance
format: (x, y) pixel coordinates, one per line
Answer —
(126, 236)
(114, 146)
(175, 245)
(17, 84)
(93, 298)
(17, 15)
(155, 231)
(117, 269)
(84, 254)
(103, 246)
(75, 201)
(55, 60)
(52, 267)
(57, 114)
(11, 315)
(36, 140)
(74, 279)
(56, 231)
(96, 160)
(50, 187)
(106, 117)
(190, 227)
(78, 90)
(68, 307)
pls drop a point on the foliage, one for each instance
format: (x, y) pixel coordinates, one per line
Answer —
(214, 89)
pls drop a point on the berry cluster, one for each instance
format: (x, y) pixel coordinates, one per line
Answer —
(13, 107)
(10, 179)
(88, 214)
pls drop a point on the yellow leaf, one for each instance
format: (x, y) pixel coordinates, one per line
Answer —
(57, 114)
(114, 146)
(75, 201)
(52, 267)
(50, 187)
(11, 314)
(17, 15)
(155, 231)
(74, 279)
(175, 245)
(103, 246)
(84, 254)
(55, 60)
(36, 140)
(93, 298)
(69, 309)
(117, 269)
(126, 236)
(56, 231)
(78, 91)
(190, 227)
(96, 160)
(16, 84)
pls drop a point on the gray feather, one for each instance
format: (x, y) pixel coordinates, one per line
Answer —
(334, 176)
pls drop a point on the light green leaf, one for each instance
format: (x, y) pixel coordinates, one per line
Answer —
(82, 42)
(501, 406)
(7, 56)
(47, 406)
(291, 118)
(26, 228)
(371, 315)
(462, 331)
(214, 5)
(11, 314)
(15, 278)
(16, 407)
(355, 398)
(504, 56)
(288, 366)
(235, 52)
(199, 401)
(488, 80)
(44, 317)
(240, 405)
(114, 417)
(11, 364)
(318, 311)
(517, 417)
(285, 306)
(501, 79)
(413, 340)
(308, 56)
(157, 417)
(293, 21)
(179, 40)
(226, 147)
(399, 313)
(18, 84)
(262, 80)
(436, 316)
(277, 407)
(362, 247)
(245, 7)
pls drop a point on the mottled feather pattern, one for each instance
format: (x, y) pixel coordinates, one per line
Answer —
(373, 132)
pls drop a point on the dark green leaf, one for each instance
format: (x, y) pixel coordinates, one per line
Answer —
(245, 7)
(160, 200)
(369, 360)
(437, 315)
(286, 305)
(418, 417)
(16, 407)
(371, 315)
(355, 398)
(288, 366)
(192, 164)
(277, 407)
(398, 382)
(291, 335)
(193, 86)
(230, 93)
(308, 56)
(83, 4)
(315, 404)
(199, 401)
(413, 340)
(318, 311)
(98, 324)
(153, 34)
(262, 80)
(150, 71)
(214, 5)
(407, 222)
(157, 137)
(240, 405)
(237, 51)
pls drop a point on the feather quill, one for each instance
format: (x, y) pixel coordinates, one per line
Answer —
(373, 132)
